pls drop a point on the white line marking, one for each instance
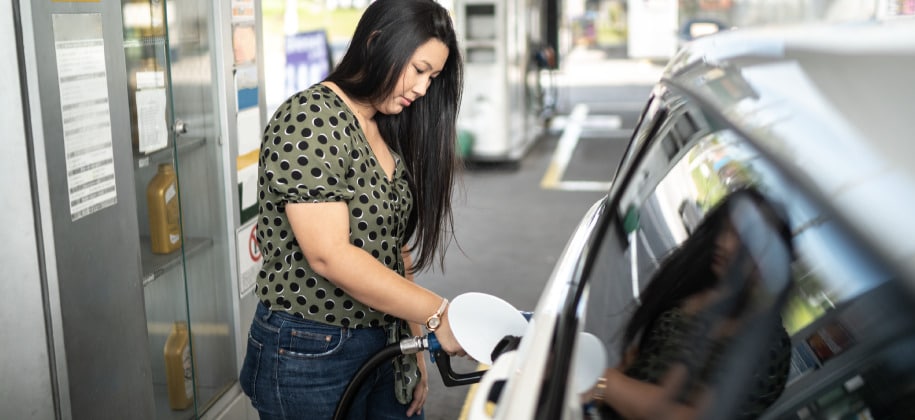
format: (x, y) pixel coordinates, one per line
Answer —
(583, 186)
(573, 127)
(566, 146)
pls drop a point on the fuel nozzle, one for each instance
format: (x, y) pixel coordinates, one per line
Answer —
(440, 358)
(466, 303)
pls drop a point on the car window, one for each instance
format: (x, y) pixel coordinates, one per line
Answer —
(833, 311)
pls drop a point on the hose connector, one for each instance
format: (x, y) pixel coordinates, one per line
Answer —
(413, 345)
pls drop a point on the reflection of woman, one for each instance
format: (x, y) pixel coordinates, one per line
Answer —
(662, 336)
(355, 177)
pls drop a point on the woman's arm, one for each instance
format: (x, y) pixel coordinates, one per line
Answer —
(415, 327)
(635, 399)
(422, 388)
(322, 231)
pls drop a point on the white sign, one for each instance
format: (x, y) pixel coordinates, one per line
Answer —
(151, 102)
(85, 115)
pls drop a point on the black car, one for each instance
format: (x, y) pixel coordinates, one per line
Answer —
(819, 121)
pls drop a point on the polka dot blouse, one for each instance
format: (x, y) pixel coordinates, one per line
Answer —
(314, 151)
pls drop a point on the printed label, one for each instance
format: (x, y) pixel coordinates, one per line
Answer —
(170, 193)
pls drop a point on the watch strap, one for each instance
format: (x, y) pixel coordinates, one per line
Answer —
(434, 321)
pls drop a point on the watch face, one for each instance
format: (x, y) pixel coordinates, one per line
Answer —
(433, 323)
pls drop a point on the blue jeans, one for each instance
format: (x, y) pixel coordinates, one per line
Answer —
(298, 369)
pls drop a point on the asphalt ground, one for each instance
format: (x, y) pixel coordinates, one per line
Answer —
(512, 221)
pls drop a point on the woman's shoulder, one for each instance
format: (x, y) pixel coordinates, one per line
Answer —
(674, 324)
(318, 108)
(317, 96)
(676, 315)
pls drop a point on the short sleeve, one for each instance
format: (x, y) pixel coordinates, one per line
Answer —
(305, 154)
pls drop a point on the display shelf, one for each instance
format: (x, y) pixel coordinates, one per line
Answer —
(171, 81)
(185, 144)
(146, 41)
(154, 265)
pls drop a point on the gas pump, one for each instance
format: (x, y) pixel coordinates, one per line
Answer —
(506, 99)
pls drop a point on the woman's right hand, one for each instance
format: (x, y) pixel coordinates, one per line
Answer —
(446, 338)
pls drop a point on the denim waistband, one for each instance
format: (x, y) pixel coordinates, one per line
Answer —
(280, 318)
(265, 314)
(283, 318)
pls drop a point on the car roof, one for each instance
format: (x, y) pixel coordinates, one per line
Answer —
(832, 104)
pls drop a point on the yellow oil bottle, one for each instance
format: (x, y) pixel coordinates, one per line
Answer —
(164, 217)
(179, 367)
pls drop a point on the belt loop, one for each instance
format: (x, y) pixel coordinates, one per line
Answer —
(268, 313)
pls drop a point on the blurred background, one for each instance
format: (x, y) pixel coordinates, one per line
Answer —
(643, 27)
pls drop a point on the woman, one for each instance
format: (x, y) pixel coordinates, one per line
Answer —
(355, 176)
(689, 311)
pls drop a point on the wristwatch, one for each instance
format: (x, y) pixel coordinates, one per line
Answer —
(435, 320)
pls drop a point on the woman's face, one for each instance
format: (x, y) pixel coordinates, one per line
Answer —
(426, 64)
(726, 244)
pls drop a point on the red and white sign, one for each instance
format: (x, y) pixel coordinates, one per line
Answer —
(249, 257)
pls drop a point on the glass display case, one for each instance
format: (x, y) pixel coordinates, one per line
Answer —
(180, 204)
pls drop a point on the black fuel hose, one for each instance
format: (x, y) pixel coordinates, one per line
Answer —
(411, 345)
(387, 353)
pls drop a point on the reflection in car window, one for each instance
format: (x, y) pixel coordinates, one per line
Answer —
(830, 269)
(718, 163)
(695, 306)
(670, 193)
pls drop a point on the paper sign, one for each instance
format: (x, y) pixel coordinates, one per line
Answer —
(83, 82)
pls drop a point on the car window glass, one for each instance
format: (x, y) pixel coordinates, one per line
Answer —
(720, 162)
(686, 171)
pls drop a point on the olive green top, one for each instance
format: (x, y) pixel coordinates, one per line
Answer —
(315, 151)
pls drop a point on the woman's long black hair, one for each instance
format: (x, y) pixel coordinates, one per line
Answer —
(687, 270)
(425, 133)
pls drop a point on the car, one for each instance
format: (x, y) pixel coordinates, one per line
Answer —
(816, 118)
(697, 27)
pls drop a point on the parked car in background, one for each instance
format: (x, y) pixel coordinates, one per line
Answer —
(819, 120)
(695, 28)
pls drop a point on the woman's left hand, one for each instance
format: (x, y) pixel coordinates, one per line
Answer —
(419, 395)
